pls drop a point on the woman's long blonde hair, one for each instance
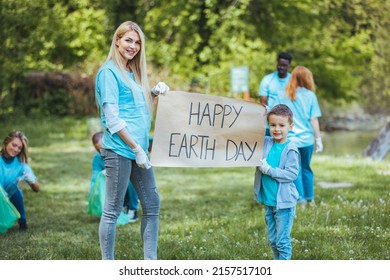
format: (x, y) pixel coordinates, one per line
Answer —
(137, 64)
(23, 155)
(300, 77)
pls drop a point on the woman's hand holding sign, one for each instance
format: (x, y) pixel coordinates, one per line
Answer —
(160, 88)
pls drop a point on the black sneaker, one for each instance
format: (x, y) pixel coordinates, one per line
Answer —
(23, 226)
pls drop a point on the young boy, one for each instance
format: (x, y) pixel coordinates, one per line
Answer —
(131, 198)
(274, 181)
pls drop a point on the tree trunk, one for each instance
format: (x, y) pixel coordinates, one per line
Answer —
(380, 146)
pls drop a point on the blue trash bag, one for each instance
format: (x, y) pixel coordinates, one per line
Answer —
(8, 213)
(96, 200)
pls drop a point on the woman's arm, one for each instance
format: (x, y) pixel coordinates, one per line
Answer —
(31, 180)
(34, 186)
(316, 127)
(118, 126)
(126, 137)
(317, 134)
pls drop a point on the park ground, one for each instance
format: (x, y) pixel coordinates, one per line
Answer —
(206, 213)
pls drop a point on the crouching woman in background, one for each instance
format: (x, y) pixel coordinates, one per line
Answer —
(13, 169)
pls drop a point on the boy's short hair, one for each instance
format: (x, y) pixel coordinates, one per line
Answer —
(285, 55)
(281, 110)
(97, 137)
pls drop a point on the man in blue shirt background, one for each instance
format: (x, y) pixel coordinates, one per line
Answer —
(275, 83)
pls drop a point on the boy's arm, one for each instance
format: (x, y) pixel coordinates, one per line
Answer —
(291, 170)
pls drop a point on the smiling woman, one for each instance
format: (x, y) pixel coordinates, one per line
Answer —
(13, 169)
(126, 105)
(128, 45)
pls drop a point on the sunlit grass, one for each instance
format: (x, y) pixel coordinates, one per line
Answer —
(206, 213)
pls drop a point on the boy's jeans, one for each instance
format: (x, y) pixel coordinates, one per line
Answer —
(280, 222)
(119, 169)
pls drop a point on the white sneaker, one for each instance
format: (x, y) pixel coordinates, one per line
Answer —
(132, 216)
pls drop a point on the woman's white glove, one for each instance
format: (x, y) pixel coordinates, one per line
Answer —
(160, 88)
(141, 158)
(28, 177)
(264, 166)
(319, 146)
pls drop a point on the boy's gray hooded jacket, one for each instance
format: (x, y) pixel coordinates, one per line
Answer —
(284, 175)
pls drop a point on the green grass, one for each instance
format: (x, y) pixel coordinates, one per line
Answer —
(206, 213)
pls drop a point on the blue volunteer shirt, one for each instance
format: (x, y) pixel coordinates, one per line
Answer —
(271, 86)
(10, 170)
(112, 88)
(304, 108)
(270, 185)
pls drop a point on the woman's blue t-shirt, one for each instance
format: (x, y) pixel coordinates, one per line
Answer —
(304, 108)
(112, 88)
(10, 171)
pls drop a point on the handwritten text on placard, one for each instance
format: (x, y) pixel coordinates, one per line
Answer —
(202, 130)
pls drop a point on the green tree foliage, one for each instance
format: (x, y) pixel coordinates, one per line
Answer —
(43, 35)
(319, 36)
(375, 87)
(192, 44)
(198, 41)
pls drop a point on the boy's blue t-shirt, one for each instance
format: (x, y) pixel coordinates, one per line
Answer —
(270, 186)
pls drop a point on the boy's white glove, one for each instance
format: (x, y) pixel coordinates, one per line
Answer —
(319, 146)
(264, 166)
(160, 88)
(141, 158)
(28, 177)
(104, 172)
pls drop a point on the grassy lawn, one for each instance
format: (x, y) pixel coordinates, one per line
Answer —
(206, 213)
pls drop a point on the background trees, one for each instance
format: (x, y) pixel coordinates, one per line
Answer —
(192, 44)
(44, 35)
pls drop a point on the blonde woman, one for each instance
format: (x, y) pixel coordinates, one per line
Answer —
(126, 103)
(300, 97)
(14, 167)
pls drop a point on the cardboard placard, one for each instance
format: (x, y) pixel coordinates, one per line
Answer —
(200, 130)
